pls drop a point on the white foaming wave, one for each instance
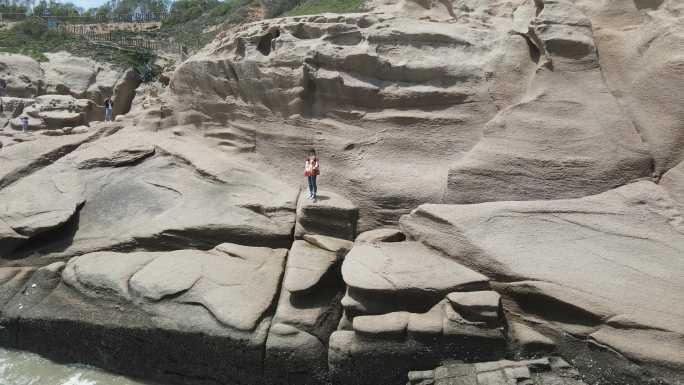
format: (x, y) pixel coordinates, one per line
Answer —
(77, 380)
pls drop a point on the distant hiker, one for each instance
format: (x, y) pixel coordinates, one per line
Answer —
(3, 89)
(24, 123)
(109, 107)
(311, 171)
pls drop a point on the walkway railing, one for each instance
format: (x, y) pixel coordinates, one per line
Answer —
(143, 17)
(12, 16)
(117, 38)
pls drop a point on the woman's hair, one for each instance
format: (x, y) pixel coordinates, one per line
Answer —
(312, 152)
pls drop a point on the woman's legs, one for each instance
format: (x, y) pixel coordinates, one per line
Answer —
(311, 185)
(315, 186)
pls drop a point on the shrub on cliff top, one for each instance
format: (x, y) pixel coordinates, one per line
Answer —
(311, 7)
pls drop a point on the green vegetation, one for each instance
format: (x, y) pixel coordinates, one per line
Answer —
(115, 8)
(13, 11)
(183, 11)
(195, 23)
(31, 37)
(56, 9)
(192, 23)
(279, 7)
(310, 7)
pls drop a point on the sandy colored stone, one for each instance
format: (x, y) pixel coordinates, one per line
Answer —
(329, 243)
(306, 266)
(381, 235)
(477, 305)
(405, 266)
(23, 75)
(529, 340)
(331, 214)
(562, 251)
(9, 239)
(381, 325)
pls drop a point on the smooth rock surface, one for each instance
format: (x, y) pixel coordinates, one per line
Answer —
(331, 215)
(381, 235)
(406, 267)
(329, 243)
(561, 252)
(546, 371)
(476, 306)
(307, 265)
(23, 75)
(176, 196)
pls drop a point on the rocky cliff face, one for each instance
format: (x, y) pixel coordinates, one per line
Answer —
(526, 156)
(63, 92)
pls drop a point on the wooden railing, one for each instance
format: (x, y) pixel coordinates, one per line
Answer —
(12, 16)
(144, 17)
(135, 41)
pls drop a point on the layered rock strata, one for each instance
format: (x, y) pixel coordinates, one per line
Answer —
(63, 92)
(549, 371)
(603, 270)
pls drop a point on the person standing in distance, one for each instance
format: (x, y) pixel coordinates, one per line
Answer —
(109, 107)
(24, 123)
(3, 89)
(311, 171)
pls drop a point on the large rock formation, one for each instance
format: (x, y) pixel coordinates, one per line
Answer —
(511, 100)
(63, 91)
(540, 141)
(606, 269)
(155, 306)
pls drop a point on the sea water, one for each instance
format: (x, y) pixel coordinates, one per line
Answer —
(21, 368)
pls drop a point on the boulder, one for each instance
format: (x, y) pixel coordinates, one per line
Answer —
(405, 274)
(380, 352)
(52, 112)
(546, 371)
(120, 151)
(12, 280)
(429, 324)
(550, 144)
(42, 202)
(307, 266)
(329, 243)
(41, 283)
(381, 235)
(236, 284)
(124, 92)
(9, 239)
(477, 306)
(27, 157)
(331, 215)
(24, 77)
(125, 299)
(294, 357)
(556, 255)
(66, 74)
(162, 194)
(527, 341)
(307, 313)
(385, 325)
(165, 276)
(12, 107)
(84, 78)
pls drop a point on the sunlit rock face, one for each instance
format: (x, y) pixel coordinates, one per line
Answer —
(451, 101)
(514, 169)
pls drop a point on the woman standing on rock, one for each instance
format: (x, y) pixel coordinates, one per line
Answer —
(109, 107)
(311, 171)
